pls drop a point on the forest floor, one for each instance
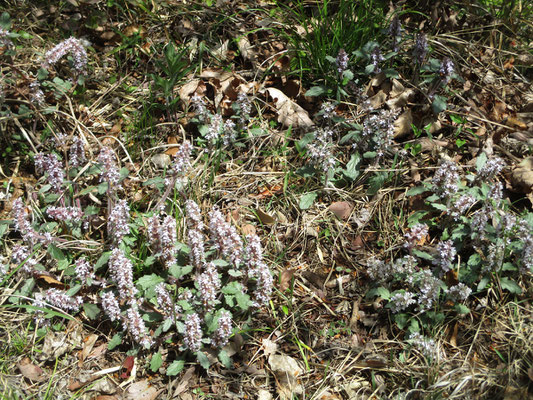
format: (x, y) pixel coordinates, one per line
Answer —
(333, 208)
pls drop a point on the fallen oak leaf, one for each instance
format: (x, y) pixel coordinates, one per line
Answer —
(289, 113)
(403, 124)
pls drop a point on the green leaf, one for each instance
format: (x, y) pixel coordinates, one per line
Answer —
(91, 310)
(483, 283)
(369, 69)
(102, 260)
(481, 161)
(167, 324)
(439, 104)
(56, 252)
(462, 309)
(433, 198)
(352, 167)
(416, 190)
(243, 300)
(441, 207)
(115, 341)
(203, 360)
(370, 154)
(401, 320)
(73, 290)
(307, 200)
(157, 181)
(220, 263)
(423, 254)
(316, 91)
(474, 260)
(156, 362)
(347, 76)
(87, 190)
(149, 261)
(3, 229)
(25, 290)
(175, 368)
(303, 142)
(510, 285)
(457, 119)
(102, 188)
(230, 300)
(382, 292)
(391, 73)
(5, 21)
(232, 288)
(307, 171)
(149, 281)
(376, 182)
(124, 172)
(234, 273)
(225, 359)
(508, 266)
(177, 271)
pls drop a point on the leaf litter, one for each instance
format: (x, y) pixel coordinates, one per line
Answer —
(221, 86)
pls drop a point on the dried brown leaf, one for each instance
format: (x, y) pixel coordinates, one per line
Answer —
(285, 280)
(264, 217)
(127, 367)
(287, 372)
(269, 347)
(246, 49)
(131, 30)
(221, 52)
(98, 351)
(188, 89)
(248, 229)
(184, 382)
(378, 99)
(397, 88)
(522, 175)
(342, 209)
(515, 122)
(142, 390)
(289, 113)
(31, 371)
(378, 79)
(453, 338)
(88, 344)
(403, 125)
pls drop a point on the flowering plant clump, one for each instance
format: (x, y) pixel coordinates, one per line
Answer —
(193, 294)
(214, 129)
(483, 244)
(71, 46)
